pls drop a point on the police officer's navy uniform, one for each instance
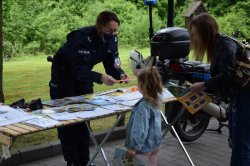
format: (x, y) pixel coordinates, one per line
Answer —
(72, 75)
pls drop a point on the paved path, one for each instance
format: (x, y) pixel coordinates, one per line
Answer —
(209, 150)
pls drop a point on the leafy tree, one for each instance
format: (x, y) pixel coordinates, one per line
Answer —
(237, 19)
(1, 56)
(32, 26)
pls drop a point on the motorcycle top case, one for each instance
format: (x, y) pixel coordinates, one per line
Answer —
(171, 43)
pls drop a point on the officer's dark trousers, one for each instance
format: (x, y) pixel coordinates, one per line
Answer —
(239, 128)
(75, 142)
(75, 139)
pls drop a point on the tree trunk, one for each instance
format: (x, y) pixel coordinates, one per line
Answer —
(1, 52)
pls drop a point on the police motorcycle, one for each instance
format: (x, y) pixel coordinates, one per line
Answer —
(170, 48)
(169, 53)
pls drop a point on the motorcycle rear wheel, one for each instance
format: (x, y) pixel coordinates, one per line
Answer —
(189, 127)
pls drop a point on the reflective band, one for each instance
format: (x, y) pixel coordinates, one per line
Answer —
(240, 63)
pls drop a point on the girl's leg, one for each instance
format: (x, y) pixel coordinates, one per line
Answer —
(153, 156)
(142, 159)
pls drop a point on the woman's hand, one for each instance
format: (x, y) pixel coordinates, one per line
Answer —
(125, 77)
(131, 153)
(197, 87)
(108, 80)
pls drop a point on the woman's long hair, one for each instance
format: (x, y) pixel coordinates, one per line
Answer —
(149, 81)
(207, 28)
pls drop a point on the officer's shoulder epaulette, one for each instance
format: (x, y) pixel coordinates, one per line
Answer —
(86, 30)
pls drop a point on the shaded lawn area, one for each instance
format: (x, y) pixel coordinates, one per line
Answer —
(28, 77)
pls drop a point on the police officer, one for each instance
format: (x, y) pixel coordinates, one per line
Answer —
(72, 75)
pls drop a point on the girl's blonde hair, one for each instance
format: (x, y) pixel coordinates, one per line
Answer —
(150, 83)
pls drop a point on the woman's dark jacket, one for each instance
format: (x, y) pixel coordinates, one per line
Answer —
(222, 67)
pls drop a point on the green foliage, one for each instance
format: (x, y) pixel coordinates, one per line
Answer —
(32, 26)
(41, 26)
(237, 19)
(134, 21)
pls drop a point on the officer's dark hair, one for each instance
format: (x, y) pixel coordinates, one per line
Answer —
(104, 17)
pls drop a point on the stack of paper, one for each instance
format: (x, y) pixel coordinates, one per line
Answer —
(79, 107)
(62, 116)
(64, 101)
(53, 110)
(14, 116)
(116, 107)
(56, 102)
(129, 96)
(5, 108)
(75, 99)
(166, 94)
(43, 122)
(128, 103)
(105, 97)
(99, 102)
(92, 114)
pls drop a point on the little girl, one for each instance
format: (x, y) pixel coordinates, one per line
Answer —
(143, 135)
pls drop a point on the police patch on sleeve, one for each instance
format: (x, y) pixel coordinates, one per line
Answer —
(117, 63)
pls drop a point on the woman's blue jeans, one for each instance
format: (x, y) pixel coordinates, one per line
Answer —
(239, 128)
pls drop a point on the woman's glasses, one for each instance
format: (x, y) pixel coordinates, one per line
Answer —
(111, 32)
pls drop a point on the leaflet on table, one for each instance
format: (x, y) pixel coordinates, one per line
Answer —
(128, 103)
(166, 94)
(64, 101)
(53, 110)
(62, 116)
(56, 102)
(90, 114)
(69, 108)
(116, 107)
(120, 90)
(42, 122)
(79, 107)
(128, 96)
(5, 108)
(99, 102)
(14, 116)
(105, 97)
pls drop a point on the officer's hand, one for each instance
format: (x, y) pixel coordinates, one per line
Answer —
(108, 80)
(125, 77)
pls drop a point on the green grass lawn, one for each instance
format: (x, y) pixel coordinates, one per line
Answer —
(28, 77)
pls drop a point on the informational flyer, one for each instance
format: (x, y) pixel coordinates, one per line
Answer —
(193, 102)
(42, 122)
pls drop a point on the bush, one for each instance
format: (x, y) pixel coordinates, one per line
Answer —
(32, 26)
(237, 19)
(134, 21)
(44, 28)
